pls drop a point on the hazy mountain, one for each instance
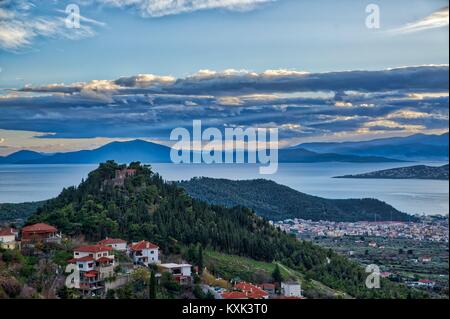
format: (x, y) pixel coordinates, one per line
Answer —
(147, 152)
(411, 172)
(21, 156)
(278, 202)
(137, 150)
(414, 147)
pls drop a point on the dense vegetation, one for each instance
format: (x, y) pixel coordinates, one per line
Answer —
(278, 202)
(146, 207)
(13, 212)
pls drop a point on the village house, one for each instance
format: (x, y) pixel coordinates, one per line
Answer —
(270, 288)
(40, 233)
(144, 253)
(94, 263)
(244, 290)
(291, 289)
(114, 243)
(8, 238)
(181, 272)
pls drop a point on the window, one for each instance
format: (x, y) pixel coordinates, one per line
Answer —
(80, 266)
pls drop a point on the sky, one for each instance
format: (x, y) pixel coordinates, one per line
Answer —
(139, 68)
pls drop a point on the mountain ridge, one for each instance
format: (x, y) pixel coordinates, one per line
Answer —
(149, 152)
(278, 202)
(413, 147)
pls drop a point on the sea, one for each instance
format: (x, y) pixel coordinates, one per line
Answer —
(24, 183)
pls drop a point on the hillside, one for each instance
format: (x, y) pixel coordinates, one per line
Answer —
(411, 172)
(145, 207)
(278, 202)
(411, 148)
(18, 212)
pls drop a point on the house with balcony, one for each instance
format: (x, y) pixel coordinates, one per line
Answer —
(40, 233)
(94, 264)
(144, 253)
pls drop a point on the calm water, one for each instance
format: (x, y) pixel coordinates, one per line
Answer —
(19, 183)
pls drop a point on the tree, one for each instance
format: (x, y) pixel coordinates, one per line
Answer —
(200, 258)
(152, 286)
(111, 294)
(276, 275)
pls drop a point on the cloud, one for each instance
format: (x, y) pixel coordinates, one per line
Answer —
(19, 27)
(437, 19)
(160, 8)
(302, 105)
(429, 78)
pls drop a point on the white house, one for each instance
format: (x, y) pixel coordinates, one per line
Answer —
(8, 238)
(291, 289)
(94, 263)
(181, 272)
(115, 243)
(94, 251)
(144, 253)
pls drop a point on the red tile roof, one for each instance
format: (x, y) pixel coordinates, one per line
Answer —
(93, 248)
(234, 295)
(104, 260)
(39, 228)
(7, 231)
(91, 273)
(110, 241)
(245, 291)
(82, 259)
(142, 245)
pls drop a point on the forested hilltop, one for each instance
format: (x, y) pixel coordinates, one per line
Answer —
(278, 202)
(146, 207)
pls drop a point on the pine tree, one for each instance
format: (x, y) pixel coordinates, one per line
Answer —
(152, 286)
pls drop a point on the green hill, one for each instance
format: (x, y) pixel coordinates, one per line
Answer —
(278, 202)
(145, 207)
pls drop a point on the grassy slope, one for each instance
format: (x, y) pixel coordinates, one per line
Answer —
(230, 266)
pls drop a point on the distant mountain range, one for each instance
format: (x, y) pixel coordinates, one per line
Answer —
(148, 152)
(279, 202)
(412, 148)
(411, 172)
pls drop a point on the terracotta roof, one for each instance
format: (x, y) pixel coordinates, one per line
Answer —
(90, 273)
(142, 245)
(93, 248)
(110, 241)
(39, 228)
(7, 232)
(82, 259)
(234, 295)
(104, 260)
(251, 291)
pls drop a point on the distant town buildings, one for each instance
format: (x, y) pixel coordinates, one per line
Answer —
(436, 231)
